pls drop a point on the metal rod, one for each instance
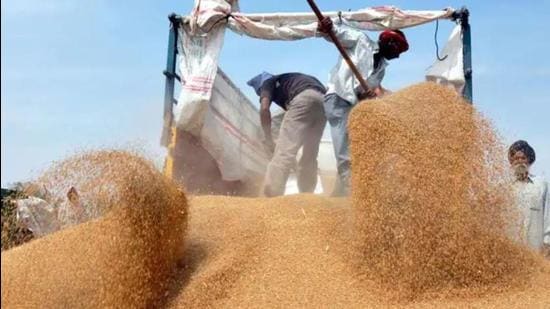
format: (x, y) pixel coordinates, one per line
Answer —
(170, 74)
(341, 49)
(467, 54)
(308, 16)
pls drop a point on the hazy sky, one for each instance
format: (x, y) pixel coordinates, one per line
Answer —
(83, 74)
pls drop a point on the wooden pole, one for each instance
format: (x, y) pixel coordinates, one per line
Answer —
(341, 49)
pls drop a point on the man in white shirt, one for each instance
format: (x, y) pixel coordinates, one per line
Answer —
(532, 198)
(344, 90)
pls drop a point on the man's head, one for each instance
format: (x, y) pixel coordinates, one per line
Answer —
(521, 156)
(392, 43)
(257, 81)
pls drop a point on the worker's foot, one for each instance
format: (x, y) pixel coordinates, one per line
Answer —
(340, 193)
(341, 188)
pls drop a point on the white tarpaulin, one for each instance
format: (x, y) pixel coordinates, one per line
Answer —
(294, 26)
(450, 71)
(304, 25)
(231, 133)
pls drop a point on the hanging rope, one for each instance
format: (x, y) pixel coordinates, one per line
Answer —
(436, 44)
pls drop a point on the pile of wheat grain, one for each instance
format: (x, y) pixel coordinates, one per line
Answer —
(429, 226)
(431, 195)
(123, 259)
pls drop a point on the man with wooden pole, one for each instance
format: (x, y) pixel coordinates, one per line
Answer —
(361, 56)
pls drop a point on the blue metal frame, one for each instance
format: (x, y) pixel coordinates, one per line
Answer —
(171, 76)
(463, 16)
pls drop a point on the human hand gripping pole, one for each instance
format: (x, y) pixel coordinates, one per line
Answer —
(326, 27)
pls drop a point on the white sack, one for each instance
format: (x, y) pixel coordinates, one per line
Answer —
(198, 63)
(450, 72)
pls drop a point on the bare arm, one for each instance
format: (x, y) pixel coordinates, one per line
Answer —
(265, 118)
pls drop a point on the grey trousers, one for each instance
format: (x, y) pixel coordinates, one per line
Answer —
(337, 111)
(302, 126)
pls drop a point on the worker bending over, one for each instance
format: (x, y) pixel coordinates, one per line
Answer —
(301, 96)
(344, 90)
